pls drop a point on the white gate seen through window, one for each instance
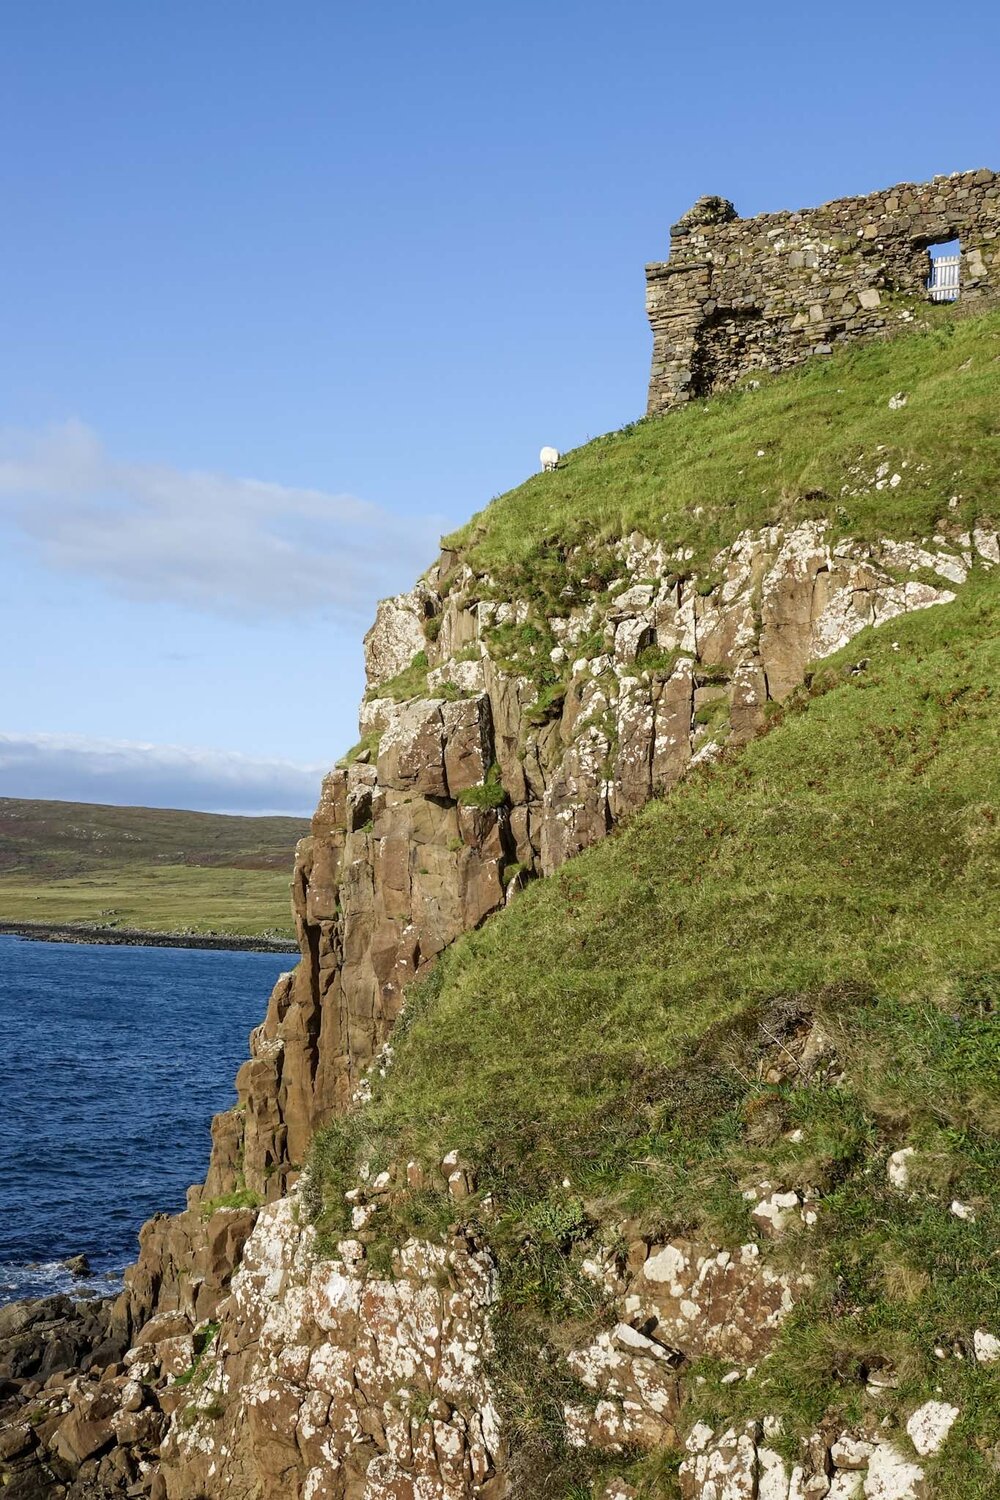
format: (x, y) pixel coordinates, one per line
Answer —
(943, 282)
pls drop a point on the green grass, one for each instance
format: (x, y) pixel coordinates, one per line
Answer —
(694, 477)
(367, 747)
(158, 898)
(489, 794)
(240, 1197)
(158, 870)
(410, 683)
(609, 1028)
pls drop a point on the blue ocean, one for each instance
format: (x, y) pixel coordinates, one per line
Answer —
(114, 1061)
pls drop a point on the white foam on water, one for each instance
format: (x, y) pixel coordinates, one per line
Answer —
(50, 1278)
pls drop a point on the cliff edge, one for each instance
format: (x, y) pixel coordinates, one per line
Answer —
(672, 819)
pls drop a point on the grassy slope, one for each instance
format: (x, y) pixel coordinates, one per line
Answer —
(160, 870)
(798, 446)
(607, 1028)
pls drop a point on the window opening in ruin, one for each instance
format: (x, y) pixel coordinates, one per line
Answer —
(943, 282)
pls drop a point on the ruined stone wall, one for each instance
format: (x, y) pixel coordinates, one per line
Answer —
(739, 295)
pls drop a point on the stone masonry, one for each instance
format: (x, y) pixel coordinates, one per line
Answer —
(744, 295)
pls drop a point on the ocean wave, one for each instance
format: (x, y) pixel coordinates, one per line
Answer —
(50, 1278)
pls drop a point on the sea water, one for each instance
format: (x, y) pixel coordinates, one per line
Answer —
(112, 1063)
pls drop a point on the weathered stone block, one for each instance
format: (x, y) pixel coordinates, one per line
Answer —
(411, 753)
(468, 743)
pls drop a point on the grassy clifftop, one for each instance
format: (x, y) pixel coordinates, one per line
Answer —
(599, 1051)
(155, 869)
(818, 441)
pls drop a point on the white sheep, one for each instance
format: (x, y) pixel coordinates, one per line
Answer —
(548, 458)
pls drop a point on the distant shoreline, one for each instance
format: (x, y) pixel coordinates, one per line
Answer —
(127, 937)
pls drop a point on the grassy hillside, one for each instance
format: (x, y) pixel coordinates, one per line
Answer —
(812, 442)
(160, 870)
(598, 1049)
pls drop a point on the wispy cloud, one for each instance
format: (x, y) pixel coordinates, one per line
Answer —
(74, 768)
(212, 542)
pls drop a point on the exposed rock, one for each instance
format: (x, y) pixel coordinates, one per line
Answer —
(723, 1467)
(741, 1466)
(929, 1425)
(850, 1452)
(890, 1476)
(395, 637)
(41, 1337)
(617, 1489)
(774, 1210)
(86, 1429)
(639, 1389)
(328, 1380)
(724, 1303)
(15, 1441)
(138, 1429)
(357, 1384)
(898, 1169)
(986, 1346)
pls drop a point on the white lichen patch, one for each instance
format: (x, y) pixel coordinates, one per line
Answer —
(929, 1425)
(325, 1350)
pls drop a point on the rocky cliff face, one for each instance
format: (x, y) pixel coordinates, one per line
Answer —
(496, 744)
(498, 740)
(511, 744)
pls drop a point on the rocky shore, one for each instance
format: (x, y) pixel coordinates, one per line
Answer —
(129, 937)
(47, 1346)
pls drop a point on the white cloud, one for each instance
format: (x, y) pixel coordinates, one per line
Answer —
(75, 768)
(212, 542)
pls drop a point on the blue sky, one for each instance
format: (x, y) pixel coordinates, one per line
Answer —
(290, 290)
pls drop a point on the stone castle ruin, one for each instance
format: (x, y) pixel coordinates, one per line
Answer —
(744, 295)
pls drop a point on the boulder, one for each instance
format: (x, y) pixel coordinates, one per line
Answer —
(395, 638)
(411, 752)
(703, 1301)
(87, 1428)
(929, 1425)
